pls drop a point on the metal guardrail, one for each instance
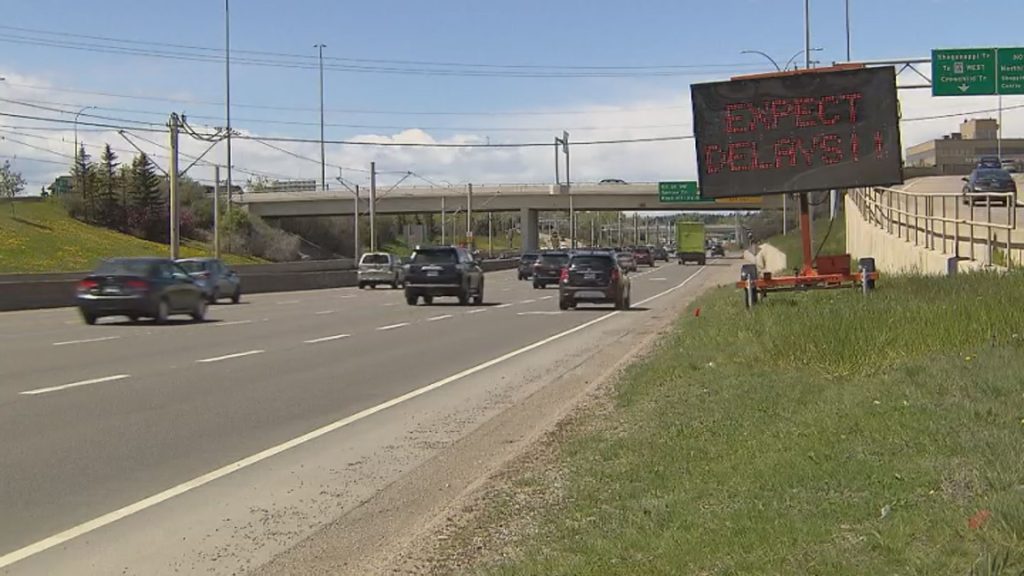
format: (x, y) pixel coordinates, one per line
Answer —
(926, 220)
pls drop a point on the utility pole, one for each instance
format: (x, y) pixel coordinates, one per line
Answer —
(227, 88)
(373, 206)
(173, 173)
(469, 216)
(443, 243)
(490, 235)
(355, 226)
(216, 211)
(564, 142)
(323, 155)
(636, 229)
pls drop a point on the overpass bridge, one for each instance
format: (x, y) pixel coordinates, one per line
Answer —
(528, 199)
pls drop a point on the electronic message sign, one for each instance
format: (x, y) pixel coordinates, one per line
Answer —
(798, 132)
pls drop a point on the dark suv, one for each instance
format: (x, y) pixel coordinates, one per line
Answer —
(548, 268)
(443, 271)
(595, 277)
(526, 262)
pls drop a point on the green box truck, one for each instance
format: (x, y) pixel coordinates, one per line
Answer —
(691, 242)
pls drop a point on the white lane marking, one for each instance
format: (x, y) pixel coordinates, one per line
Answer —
(441, 317)
(232, 323)
(326, 339)
(324, 312)
(390, 304)
(288, 302)
(506, 305)
(347, 296)
(86, 341)
(530, 301)
(477, 311)
(505, 289)
(187, 486)
(546, 298)
(231, 356)
(539, 313)
(393, 326)
(72, 385)
(658, 279)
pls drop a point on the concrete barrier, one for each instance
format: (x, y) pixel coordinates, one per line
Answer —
(894, 255)
(30, 291)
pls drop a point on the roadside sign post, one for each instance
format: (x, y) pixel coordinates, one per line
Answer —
(678, 192)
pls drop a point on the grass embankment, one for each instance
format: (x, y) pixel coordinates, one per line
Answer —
(790, 244)
(821, 433)
(41, 237)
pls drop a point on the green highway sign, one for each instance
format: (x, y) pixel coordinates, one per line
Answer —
(966, 72)
(678, 192)
(977, 71)
(1010, 71)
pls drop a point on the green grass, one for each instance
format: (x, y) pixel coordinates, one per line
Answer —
(770, 441)
(791, 245)
(41, 237)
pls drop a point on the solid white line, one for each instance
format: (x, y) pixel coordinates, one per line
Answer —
(230, 356)
(323, 312)
(326, 339)
(86, 341)
(65, 387)
(539, 313)
(441, 317)
(547, 298)
(506, 305)
(121, 513)
(390, 304)
(658, 279)
(393, 326)
(477, 311)
(530, 301)
(505, 289)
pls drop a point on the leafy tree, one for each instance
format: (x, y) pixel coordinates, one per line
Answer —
(11, 183)
(111, 199)
(146, 208)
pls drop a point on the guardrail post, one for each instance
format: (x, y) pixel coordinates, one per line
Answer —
(944, 225)
(988, 227)
(888, 202)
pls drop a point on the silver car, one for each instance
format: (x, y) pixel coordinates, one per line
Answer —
(380, 268)
(214, 278)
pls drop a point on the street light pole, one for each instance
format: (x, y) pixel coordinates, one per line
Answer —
(85, 199)
(323, 156)
(770, 59)
(227, 90)
(847, 30)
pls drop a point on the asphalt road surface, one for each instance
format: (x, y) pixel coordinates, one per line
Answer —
(145, 449)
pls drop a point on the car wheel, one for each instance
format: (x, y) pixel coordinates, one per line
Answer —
(411, 299)
(163, 310)
(478, 298)
(237, 296)
(537, 285)
(213, 297)
(394, 285)
(88, 318)
(133, 317)
(464, 296)
(428, 300)
(199, 311)
(563, 304)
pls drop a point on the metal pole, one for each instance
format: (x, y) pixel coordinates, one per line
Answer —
(442, 221)
(227, 89)
(568, 190)
(469, 215)
(490, 234)
(355, 225)
(848, 58)
(999, 130)
(173, 173)
(807, 36)
(323, 155)
(373, 206)
(216, 211)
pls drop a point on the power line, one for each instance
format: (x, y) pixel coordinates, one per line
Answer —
(31, 159)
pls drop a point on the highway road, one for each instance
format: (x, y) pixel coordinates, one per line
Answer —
(212, 447)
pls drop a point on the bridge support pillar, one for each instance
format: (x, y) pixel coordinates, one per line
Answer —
(528, 224)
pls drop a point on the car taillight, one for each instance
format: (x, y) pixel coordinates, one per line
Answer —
(86, 285)
(615, 275)
(564, 275)
(137, 285)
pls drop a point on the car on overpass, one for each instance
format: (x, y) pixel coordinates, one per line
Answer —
(990, 185)
(139, 288)
(443, 271)
(593, 277)
(613, 181)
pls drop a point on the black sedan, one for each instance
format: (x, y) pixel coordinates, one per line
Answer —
(140, 288)
(990, 185)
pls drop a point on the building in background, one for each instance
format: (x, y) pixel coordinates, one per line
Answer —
(958, 153)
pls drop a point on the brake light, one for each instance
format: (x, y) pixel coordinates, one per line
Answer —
(564, 276)
(86, 285)
(138, 285)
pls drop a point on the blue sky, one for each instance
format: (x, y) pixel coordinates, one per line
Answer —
(708, 36)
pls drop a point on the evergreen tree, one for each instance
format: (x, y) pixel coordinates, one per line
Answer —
(83, 183)
(109, 191)
(146, 206)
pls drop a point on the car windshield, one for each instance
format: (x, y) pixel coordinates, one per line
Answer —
(374, 259)
(591, 262)
(193, 266)
(554, 259)
(530, 257)
(993, 174)
(434, 257)
(124, 268)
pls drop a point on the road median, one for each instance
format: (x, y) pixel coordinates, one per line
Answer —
(819, 433)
